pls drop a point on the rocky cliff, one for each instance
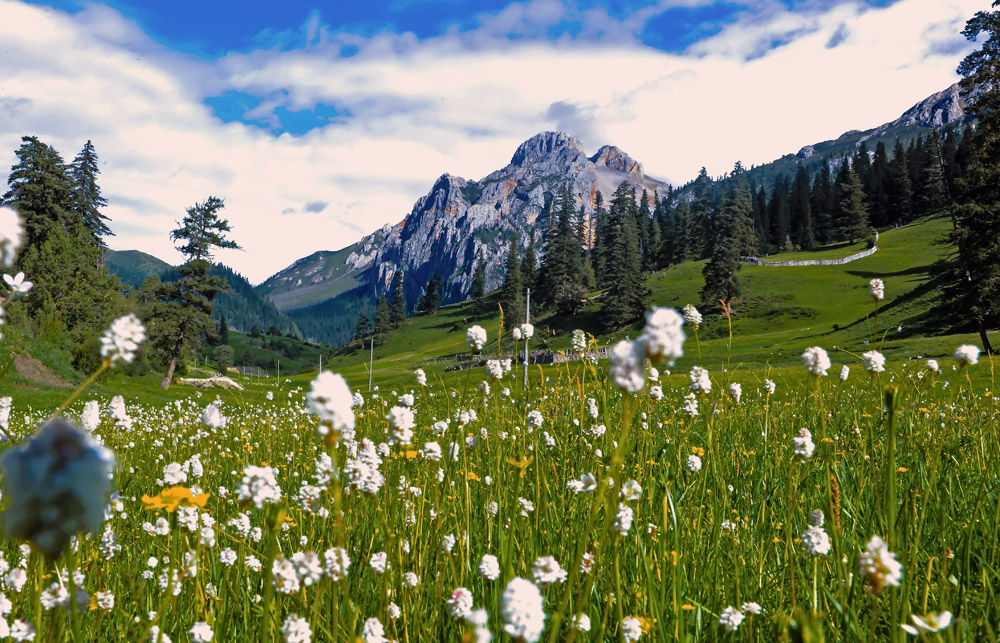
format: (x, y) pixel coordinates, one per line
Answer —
(460, 221)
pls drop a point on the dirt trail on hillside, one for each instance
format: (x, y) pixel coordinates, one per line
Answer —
(34, 371)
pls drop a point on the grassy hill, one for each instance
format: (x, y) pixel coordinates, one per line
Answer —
(783, 311)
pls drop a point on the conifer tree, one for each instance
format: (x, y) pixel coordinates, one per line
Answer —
(180, 311)
(512, 290)
(397, 312)
(778, 212)
(760, 221)
(40, 190)
(821, 203)
(900, 187)
(382, 326)
(529, 268)
(800, 210)
(878, 187)
(431, 299)
(974, 280)
(734, 235)
(852, 209)
(223, 330)
(559, 279)
(698, 231)
(363, 328)
(86, 200)
(479, 280)
(624, 299)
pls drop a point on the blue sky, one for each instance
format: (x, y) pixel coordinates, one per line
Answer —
(321, 122)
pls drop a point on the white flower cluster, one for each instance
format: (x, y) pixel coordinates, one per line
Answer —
(121, 341)
(816, 360)
(879, 565)
(874, 362)
(579, 341)
(521, 610)
(692, 316)
(331, 401)
(877, 289)
(700, 382)
(475, 338)
(259, 486)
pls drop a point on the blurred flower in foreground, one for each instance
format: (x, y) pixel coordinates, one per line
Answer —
(58, 483)
(816, 360)
(877, 289)
(879, 565)
(121, 341)
(521, 611)
(934, 622)
(967, 355)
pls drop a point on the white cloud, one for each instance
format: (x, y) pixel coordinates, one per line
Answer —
(422, 108)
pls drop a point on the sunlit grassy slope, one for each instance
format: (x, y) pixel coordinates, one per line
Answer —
(783, 310)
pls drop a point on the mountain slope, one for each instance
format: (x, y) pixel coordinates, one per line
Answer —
(948, 107)
(244, 308)
(455, 225)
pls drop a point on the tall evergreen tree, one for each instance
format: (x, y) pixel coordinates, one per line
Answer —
(624, 299)
(40, 190)
(699, 222)
(900, 187)
(382, 325)
(223, 330)
(878, 187)
(974, 287)
(822, 204)
(735, 234)
(479, 280)
(180, 311)
(529, 267)
(397, 312)
(800, 210)
(363, 328)
(559, 279)
(778, 212)
(431, 299)
(852, 208)
(86, 200)
(512, 290)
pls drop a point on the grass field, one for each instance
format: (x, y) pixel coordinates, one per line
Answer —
(650, 536)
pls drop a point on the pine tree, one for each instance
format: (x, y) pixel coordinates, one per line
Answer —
(86, 200)
(431, 299)
(974, 280)
(624, 299)
(760, 221)
(382, 327)
(180, 311)
(800, 210)
(900, 187)
(40, 190)
(852, 209)
(559, 279)
(734, 238)
(699, 221)
(512, 290)
(821, 203)
(363, 328)
(397, 312)
(529, 268)
(479, 280)
(878, 187)
(778, 212)
(223, 330)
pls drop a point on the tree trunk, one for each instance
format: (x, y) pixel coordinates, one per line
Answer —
(986, 340)
(165, 384)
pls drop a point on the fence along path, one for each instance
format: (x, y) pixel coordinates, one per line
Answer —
(815, 262)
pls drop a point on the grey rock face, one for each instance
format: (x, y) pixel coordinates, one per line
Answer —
(460, 221)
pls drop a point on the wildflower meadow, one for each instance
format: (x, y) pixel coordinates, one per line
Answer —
(851, 498)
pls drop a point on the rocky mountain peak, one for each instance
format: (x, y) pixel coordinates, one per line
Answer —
(542, 145)
(938, 109)
(615, 159)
